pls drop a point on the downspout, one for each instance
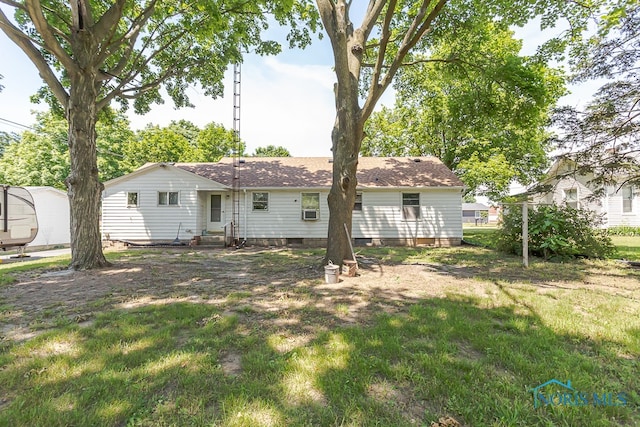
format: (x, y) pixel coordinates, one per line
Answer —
(246, 226)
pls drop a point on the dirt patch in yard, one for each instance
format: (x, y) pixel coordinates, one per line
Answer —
(275, 285)
(278, 287)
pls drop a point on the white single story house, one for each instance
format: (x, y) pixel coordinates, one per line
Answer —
(54, 220)
(283, 200)
(619, 205)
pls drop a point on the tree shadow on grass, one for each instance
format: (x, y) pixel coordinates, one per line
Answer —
(491, 265)
(312, 360)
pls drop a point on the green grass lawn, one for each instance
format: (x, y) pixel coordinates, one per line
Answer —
(257, 339)
(628, 247)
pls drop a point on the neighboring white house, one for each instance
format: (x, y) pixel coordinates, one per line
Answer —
(52, 211)
(619, 205)
(399, 201)
(475, 213)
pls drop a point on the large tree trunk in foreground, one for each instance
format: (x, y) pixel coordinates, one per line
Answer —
(347, 137)
(347, 133)
(83, 185)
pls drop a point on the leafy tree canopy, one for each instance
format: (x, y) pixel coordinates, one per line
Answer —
(214, 142)
(158, 144)
(181, 141)
(41, 156)
(271, 151)
(7, 138)
(475, 104)
(140, 47)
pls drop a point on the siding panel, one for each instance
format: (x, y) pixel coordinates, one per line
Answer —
(148, 221)
(381, 215)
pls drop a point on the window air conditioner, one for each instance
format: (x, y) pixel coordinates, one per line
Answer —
(309, 214)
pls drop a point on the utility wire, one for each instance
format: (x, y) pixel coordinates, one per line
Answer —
(15, 124)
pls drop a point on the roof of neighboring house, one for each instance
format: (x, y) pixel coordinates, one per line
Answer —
(474, 207)
(313, 172)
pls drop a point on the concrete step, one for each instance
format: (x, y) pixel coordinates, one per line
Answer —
(211, 240)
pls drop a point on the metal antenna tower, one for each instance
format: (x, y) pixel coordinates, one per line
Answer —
(235, 203)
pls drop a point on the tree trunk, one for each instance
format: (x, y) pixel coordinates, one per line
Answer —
(346, 146)
(346, 140)
(83, 185)
(346, 137)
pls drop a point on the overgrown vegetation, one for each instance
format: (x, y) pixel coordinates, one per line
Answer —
(255, 338)
(555, 232)
(624, 230)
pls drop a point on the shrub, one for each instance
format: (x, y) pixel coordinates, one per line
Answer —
(556, 232)
(624, 230)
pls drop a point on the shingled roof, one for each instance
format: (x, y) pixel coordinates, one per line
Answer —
(316, 172)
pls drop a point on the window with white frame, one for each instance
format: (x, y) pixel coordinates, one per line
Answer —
(310, 206)
(260, 201)
(132, 199)
(357, 205)
(168, 198)
(411, 206)
(571, 197)
(627, 199)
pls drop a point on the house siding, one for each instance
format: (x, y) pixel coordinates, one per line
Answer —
(381, 216)
(615, 216)
(380, 219)
(148, 221)
(584, 194)
(609, 206)
(284, 216)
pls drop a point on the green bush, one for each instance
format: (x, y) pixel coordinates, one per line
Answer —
(624, 230)
(556, 232)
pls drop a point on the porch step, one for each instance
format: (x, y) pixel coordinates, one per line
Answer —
(212, 240)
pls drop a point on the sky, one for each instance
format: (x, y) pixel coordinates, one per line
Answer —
(286, 100)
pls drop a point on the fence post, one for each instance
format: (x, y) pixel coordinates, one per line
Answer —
(525, 234)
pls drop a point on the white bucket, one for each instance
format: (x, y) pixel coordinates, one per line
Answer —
(331, 273)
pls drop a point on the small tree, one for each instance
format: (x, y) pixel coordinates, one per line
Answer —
(556, 232)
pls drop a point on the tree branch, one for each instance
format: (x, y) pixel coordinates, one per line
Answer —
(41, 25)
(373, 12)
(418, 28)
(108, 22)
(14, 4)
(327, 8)
(382, 50)
(27, 46)
(129, 38)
